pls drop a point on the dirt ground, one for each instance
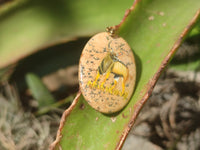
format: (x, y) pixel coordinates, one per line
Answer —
(170, 118)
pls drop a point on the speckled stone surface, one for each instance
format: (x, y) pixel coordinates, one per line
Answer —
(104, 92)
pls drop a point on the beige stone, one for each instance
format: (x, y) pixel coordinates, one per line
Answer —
(107, 73)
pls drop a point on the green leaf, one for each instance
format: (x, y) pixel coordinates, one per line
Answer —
(188, 64)
(196, 30)
(53, 106)
(154, 30)
(39, 90)
(29, 25)
(188, 55)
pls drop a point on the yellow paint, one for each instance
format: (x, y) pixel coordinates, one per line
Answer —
(95, 81)
(109, 90)
(110, 64)
(119, 68)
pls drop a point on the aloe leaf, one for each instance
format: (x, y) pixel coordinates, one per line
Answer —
(39, 90)
(188, 55)
(30, 25)
(154, 30)
(196, 30)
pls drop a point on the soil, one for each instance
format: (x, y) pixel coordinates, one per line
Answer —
(170, 118)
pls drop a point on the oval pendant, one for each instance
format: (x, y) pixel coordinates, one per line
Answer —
(107, 73)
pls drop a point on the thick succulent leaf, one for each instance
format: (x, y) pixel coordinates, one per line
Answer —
(196, 30)
(190, 63)
(188, 56)
(154, 30)
(29, 25)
